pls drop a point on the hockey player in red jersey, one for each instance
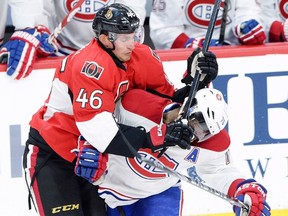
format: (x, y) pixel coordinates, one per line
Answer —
(129, 185)
(82, 100)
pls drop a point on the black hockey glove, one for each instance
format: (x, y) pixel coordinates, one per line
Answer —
(205, 63)
(174, 133)
(180, 95)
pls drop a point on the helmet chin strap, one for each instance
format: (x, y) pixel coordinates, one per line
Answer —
(113, 46)
(109, 51)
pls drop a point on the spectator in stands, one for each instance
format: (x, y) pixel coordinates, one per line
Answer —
(34, 21)
(23, 15)
(21, 50)
(182, 24)
(275, 16)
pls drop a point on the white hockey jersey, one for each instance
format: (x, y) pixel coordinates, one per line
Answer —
(170, 18)
(129, 179)
(272, 10)
(23, 13)
(78, 31)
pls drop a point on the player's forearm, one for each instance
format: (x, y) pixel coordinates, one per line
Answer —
(137, 139)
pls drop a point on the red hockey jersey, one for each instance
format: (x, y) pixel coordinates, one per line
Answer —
(84, 91)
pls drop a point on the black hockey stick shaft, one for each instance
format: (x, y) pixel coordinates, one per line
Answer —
(211, 25)
(208, 36)
(224, 22)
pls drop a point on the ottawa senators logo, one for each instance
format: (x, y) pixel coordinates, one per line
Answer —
(155, 55)
(92, 69)
(88, 8)
(198, 13)
(109, 14)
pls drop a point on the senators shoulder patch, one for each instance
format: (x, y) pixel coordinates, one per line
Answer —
(155, 55)
(92, 69)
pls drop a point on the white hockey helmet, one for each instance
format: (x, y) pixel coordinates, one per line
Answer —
(208, 114)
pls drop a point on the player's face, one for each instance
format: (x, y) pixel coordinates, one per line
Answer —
(198, 130)
(197, 122)
(124, 45)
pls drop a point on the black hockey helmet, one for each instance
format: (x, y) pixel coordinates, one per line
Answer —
(115, 18)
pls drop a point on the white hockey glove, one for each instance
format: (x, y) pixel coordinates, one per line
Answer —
(278, 31)
(21, 50)
(250, 32)
(254, 195)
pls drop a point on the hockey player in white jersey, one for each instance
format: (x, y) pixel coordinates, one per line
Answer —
(182, 24)
(275, 16)
(35, 19)
(129, 185)
(23, 13)
(30, 39)
(79, 32)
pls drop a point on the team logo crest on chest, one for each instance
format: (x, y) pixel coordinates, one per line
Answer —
(92, 69)
(283, 8)
(146, 171)
(198, 13)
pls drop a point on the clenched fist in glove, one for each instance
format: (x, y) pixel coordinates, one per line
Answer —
(21, 50)
(205, 63)
(254, 195)
(278, 31)
(90, 164)
(174, 133)
(250, 33)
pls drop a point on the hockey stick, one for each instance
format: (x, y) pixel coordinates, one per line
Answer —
(65, 21)
(224, 22)
(192, 93)
(208, 36)
(182, 177)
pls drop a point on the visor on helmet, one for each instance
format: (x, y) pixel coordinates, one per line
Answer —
(198, 123)
(138, 36)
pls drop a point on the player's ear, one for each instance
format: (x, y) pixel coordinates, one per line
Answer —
(105, 41)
